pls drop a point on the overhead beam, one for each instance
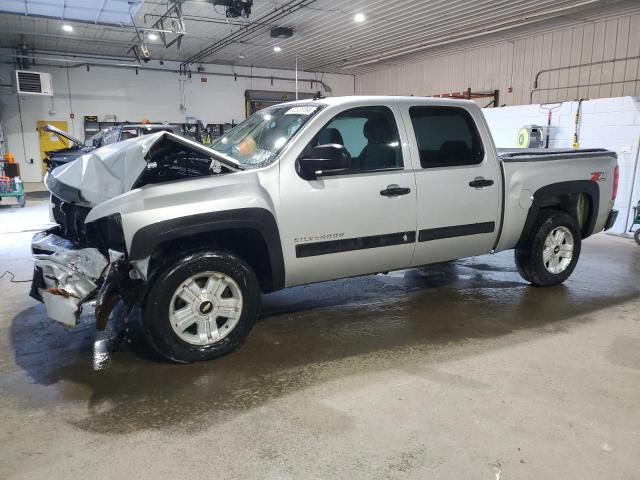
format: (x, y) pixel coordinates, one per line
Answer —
(48, 17)
(251, 28)
(104, 2)
(68, 38)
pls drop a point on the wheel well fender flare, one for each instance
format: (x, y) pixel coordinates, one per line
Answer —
(147, 240)
(587, 187)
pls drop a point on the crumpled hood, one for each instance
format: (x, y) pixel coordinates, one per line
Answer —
(114, 169)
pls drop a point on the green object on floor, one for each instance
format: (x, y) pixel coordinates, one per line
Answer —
(11, 187)
(636, 221)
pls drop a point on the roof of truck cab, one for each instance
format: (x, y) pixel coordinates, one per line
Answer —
(364, 99)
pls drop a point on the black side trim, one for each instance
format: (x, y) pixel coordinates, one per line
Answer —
(591, 189)
(350, 244)
(146, 240)
(456, 231)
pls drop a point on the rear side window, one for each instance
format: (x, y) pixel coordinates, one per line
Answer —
(446, 136)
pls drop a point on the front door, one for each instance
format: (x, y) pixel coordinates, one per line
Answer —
(458, 183)
(357, 222)
(49, 141)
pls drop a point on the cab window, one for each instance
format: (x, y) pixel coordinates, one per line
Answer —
(446, 137)
(128, 133)
(369, 134)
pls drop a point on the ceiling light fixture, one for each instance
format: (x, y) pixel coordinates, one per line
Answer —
(359, 18)
(277, 49)
(241, 55)
(67, 28)
(152, 36)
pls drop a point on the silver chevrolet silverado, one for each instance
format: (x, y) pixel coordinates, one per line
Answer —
(303, 192)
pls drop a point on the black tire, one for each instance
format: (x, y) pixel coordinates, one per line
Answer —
(155, 313)
(529, 255)
(21, 201)
(637, 236)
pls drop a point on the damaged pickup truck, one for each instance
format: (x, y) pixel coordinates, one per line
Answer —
(304, 192)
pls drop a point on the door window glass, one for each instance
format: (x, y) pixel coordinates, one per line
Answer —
(128, 133)
(446, 137)
(369, 134)
(110, 136)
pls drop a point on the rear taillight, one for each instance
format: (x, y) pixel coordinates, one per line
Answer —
(616, 181)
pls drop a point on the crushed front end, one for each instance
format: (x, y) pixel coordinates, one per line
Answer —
(79, 265)
(82, 263)
(66, 275)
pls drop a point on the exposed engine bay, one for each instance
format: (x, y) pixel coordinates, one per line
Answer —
(78, 263)
(117, 168)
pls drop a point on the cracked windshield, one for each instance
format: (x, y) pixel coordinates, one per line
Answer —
(257, 141)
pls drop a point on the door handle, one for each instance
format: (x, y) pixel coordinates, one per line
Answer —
(394, 191)
(480, 182)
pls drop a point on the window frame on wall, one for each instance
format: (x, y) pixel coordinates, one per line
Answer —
(477, 150)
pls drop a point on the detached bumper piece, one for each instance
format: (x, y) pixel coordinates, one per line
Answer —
(65, 275)
(611, 219)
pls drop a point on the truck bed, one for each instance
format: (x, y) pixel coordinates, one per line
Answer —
(547, 154)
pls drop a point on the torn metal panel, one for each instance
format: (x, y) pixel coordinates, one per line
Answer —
(70, 275)
(88, 262)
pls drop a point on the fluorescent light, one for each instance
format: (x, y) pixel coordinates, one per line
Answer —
(277, 49)
(241, 55)
(67, 28)
(359, 18)
(152, 36)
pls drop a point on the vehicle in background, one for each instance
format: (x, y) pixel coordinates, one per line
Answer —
(76, 147)
(106, 136)
(305, 192)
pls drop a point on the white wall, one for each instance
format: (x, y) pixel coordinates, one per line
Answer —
(515, 62)
(149, 94)
(612, 123)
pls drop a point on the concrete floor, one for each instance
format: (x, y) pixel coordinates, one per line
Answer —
(457, 371)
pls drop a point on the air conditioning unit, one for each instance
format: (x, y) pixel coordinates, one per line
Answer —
(33, 83)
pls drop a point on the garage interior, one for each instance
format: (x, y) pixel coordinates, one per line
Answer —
(459, 369)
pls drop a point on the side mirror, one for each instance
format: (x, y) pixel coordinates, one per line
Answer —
(323, 160)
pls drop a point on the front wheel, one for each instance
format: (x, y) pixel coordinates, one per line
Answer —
(201, 306)
(550, 253)
(637, 236)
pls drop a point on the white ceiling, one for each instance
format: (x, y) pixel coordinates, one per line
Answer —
(97, 11)
(326, 38)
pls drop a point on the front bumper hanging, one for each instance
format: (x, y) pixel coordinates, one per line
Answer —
(65, 275)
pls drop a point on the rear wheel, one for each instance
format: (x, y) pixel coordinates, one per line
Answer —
(637, 236)
(21, 201)
(202, 306)
(550, 253)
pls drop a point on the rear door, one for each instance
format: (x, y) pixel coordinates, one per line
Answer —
(458, 182)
